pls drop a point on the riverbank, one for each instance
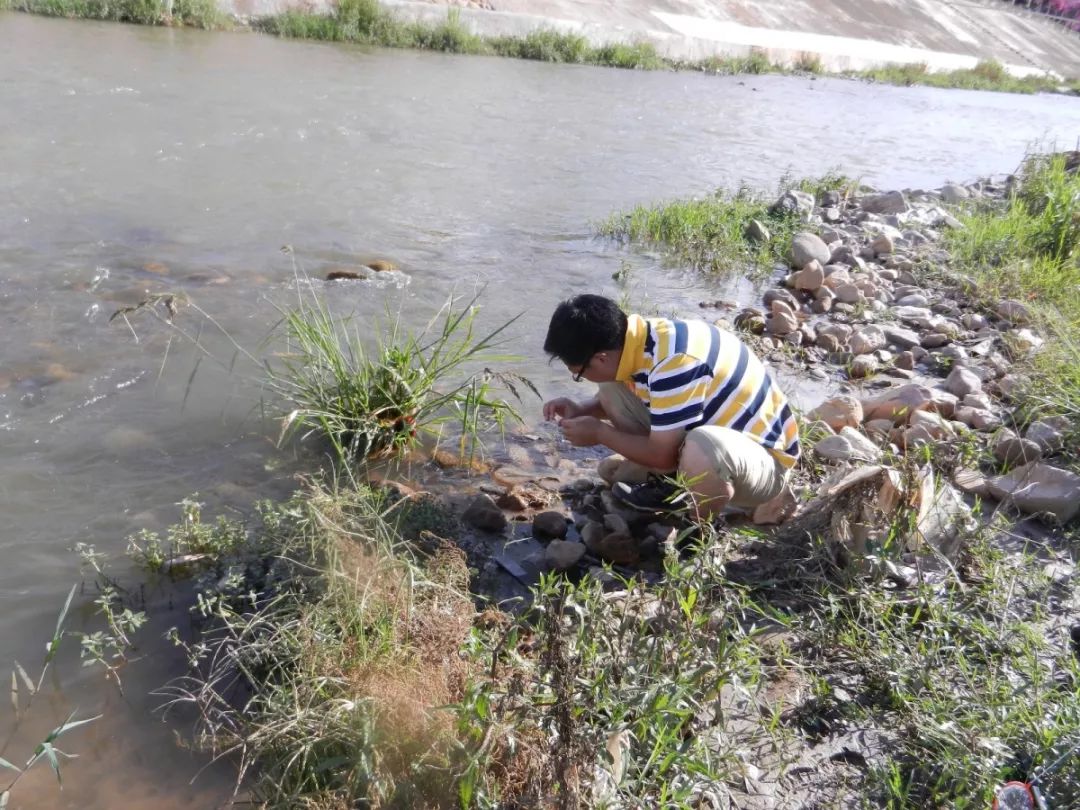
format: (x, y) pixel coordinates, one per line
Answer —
(898, 629)
(425, 27)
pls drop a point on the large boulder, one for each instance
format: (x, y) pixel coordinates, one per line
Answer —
(899, 403)
(839, 412)
(963, 381)
(868, 339)
(484, 514)
(550, 524)
(807, 247)
(1040, 488)
(891, 202)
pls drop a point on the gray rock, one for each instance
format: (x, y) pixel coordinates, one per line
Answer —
(892, 202)
(849, 294)
(914, 315)
(1010, 449)
(1014, 312)
(912, 300)
(863, 366)
(898, 336)
(562, 555)
(811, 277)
(839, 412)
(834, 448)
(973, 321)
(484, 514)
(866, 340)
(807, 247)
(882, 244)
(953, 193)
(782, 295)
(794, 202)
(757, 232)
(963, 381)
(934, 340)
(1049, 439)
(862, 447)
(905, 361)
(1039, 488)
(781, 322)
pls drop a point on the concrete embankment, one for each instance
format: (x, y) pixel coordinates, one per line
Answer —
(841, 34)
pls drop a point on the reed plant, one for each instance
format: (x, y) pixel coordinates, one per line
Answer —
(378, 388)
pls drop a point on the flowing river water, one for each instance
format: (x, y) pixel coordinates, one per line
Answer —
(143, 160)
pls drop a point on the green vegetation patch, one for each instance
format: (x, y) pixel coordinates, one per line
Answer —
(718, 233)
(194, 13)
(1028, 248)
(986, 75)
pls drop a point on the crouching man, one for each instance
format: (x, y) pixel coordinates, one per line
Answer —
(674, 396)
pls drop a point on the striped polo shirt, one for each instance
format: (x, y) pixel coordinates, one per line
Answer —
(691, 373)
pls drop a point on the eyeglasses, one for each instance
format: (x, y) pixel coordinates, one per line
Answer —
(580, 373)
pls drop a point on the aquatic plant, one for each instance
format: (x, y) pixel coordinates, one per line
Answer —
(24, 693)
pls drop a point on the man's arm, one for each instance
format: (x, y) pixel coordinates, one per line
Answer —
(566, 408)
(658, 450)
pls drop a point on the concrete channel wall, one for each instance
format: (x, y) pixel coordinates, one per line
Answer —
(843, 34)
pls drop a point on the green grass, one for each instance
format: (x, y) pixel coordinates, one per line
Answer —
(1028, 248)
(194, 13)
(710, 234)
(378, 389)
(987, 75)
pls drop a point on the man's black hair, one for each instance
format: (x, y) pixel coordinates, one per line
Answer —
(583, 326)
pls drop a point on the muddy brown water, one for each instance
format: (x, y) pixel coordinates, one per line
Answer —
(138, 160)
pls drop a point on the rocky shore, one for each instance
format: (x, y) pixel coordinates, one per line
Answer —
(926, 372)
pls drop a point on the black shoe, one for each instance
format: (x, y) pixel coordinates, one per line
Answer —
(655, 495)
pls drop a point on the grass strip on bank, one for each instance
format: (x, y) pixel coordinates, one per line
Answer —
(1028, 248)
(192, 13)
(723, 232)
(368, 23)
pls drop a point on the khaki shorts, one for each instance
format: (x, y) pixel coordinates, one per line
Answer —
(755, 473)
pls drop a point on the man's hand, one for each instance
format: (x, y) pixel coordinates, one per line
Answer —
(582, 431)
(562, 408)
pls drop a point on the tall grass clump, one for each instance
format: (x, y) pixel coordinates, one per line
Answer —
(986, 75)
(544, 45)
(194, 13)
(377, 389)
(326, 650)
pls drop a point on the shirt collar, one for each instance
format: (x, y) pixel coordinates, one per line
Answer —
(633, 347)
